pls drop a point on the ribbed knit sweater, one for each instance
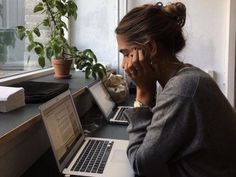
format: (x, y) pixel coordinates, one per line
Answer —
(191, 129)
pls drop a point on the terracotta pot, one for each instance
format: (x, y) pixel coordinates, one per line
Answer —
(62, 68)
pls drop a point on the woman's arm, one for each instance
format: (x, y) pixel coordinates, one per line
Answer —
(156, 136)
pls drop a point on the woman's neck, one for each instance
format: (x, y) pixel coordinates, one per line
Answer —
(167, 69)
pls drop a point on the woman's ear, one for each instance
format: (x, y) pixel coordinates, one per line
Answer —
(152, 45)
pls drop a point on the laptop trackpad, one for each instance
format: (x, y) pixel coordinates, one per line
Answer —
(119, 156)
(120, 163)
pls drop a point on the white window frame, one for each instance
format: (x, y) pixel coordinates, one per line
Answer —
(26, 76)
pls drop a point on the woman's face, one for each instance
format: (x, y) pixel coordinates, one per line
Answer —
(124, 48)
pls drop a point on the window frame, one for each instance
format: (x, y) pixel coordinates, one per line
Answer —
(25, 76)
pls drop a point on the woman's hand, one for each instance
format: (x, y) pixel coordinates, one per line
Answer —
(139, 69)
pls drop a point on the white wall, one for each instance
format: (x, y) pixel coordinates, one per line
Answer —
(206, 30)
(94, 29)
(206, 34)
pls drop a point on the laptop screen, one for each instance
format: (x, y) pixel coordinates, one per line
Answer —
(102, 97)
(60, 120)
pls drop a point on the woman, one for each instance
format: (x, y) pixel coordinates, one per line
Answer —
(191, 127)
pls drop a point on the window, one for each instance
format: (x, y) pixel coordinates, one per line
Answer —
(14, 58)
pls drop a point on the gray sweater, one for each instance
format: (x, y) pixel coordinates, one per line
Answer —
(191, 129)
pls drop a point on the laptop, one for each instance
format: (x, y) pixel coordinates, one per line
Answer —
(112, 112)
(76, 154)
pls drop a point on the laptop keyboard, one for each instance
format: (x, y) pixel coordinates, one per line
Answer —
(94, 157)
(120, 114)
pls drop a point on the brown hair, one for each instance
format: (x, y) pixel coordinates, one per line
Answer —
(155, 22)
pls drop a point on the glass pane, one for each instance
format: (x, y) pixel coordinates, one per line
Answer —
(14, 58)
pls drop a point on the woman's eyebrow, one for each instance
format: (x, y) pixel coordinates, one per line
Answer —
(123, 50)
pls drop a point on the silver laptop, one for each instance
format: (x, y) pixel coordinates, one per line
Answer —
(75, 154)
(112, 112)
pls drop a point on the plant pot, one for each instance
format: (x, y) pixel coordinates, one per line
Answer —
(62, 68)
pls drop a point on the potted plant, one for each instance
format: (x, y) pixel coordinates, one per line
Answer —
(58, 49)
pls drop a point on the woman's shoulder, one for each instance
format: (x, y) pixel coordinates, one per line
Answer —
(186, 81)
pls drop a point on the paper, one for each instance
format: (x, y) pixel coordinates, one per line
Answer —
(60, 124)
(6, 92)
(11, 98)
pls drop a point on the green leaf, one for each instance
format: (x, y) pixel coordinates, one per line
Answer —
(37, 32)
(80, 65)
(90, 60)
(61, 8)
(41, 61)
(30, 47)
(100, 74)
(20, 32)
(49, 52)
(90, 54)
(101, 67)
(94, 75)
(87, 72)
(38, 7)
(21, 28)
(30, 36)
(71, 8)
(75, 15)
(20, 35)
(38, 50)
(39, 44)
(63, 24)
(57, 49)
(46, 22)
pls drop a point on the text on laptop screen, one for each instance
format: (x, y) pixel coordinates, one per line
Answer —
(60, 120)
(103, 98)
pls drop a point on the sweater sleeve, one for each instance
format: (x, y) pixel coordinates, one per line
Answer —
(156, 136)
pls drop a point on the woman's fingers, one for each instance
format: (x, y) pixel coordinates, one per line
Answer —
(136, 64)
(136, 61)
(131, 68)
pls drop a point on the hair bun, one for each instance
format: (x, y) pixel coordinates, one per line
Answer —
(177, 11)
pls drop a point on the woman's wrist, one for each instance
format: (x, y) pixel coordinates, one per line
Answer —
(145, 98)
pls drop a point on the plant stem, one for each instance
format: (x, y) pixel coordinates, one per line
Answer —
(50, 12)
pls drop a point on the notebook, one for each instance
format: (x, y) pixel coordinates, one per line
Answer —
(76, 154)
(112, 112)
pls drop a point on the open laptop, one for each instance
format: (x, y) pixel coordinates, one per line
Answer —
(75, 154)
(112, 112)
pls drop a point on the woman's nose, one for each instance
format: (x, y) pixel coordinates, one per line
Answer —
(123, 63)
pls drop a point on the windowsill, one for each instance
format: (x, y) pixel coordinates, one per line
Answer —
(26, 76)
(17, 121)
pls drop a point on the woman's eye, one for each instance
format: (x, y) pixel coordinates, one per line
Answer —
(125, 54)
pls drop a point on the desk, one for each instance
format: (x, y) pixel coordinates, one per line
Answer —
(22, 134)
(46, 165)
(19, 120)
(23, 139)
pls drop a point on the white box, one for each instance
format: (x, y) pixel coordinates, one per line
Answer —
(11, 98)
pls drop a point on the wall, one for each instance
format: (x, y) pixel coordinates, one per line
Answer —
(206, 34)
(94, 29)
(206, 30)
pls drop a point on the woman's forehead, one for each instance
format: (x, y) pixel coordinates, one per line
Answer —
(123, 44)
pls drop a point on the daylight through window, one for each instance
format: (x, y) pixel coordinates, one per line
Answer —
(14, 58)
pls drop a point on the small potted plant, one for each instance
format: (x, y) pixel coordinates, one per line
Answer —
(58, 49)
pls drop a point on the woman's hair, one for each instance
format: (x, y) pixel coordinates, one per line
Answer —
(162, 24)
